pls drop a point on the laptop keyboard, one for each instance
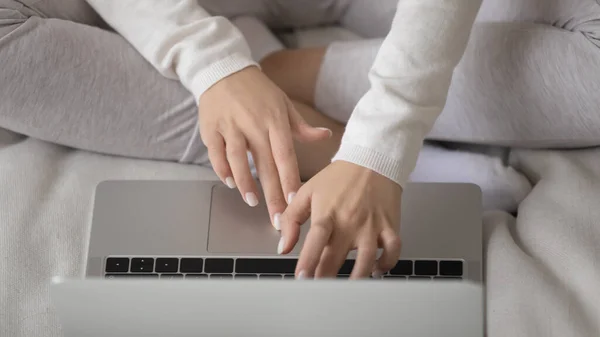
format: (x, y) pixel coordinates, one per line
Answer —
(172, 268)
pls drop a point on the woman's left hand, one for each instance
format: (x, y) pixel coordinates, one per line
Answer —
(351, 207)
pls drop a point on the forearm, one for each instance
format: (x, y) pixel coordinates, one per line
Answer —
(180, 39)
(409, 79)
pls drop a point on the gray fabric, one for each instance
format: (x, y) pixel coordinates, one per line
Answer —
(520, 84)
(84, 87)
(282, 14)
(529, 77)
(542, 268)
(71, 83)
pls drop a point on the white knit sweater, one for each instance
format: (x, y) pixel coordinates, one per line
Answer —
(409, 79)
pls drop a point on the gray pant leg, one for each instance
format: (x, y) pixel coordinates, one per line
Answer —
(525, 85)
(281, 13)
(369, 18)
(519, 83)
(78, 11)
(84, 87)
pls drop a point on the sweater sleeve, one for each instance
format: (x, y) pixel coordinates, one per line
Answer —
(409, 80)
(180, 39)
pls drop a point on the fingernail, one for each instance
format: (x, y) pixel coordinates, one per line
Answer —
(280, 246)
(230, 182)
(377, 273)
(328, 130)
(290, 197)
(251, 199)
(277, 221)
(300, 275)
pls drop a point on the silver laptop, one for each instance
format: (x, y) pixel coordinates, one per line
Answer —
(148, 235)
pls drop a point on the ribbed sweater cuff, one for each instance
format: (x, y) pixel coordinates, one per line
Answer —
(227, 66)
(396, 169)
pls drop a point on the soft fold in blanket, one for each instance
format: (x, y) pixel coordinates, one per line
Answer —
(542, 268)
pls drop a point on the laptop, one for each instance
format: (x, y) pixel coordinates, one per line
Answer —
(188, 258)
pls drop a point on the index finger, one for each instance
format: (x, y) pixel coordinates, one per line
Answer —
(284, 155)
(269, 179)
(314, 244)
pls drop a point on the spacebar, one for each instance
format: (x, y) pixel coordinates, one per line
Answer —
(265, 266)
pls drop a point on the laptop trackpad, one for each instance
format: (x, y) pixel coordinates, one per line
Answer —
(236, 228)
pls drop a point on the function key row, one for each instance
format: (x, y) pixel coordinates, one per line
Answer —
(196, 276)
(450, 268)
(255, 276)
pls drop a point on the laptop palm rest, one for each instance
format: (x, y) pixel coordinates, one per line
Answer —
(236, 228)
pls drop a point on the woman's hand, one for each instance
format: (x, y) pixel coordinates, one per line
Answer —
(247, 112)
(351, 207)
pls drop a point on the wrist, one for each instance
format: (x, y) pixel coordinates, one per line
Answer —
(397, 170)
(206, 78)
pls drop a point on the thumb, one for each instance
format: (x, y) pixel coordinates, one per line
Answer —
(296, 214)
(304, 132)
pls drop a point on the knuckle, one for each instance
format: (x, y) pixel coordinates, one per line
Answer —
(208, 137)
(256, 125)
(394, 242)
(284, 152)
(236, 151)
(224, 125)
(352, 217)
(218, 162)
(279, 116)
(387, 264)
(345, 218)
(266, 172)
(275, 200)
(260, 144)
(214, 151)
(370, 250)
(324, 223)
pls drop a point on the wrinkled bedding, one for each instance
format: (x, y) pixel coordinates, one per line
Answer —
(542, 267)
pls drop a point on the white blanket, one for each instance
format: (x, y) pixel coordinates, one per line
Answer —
(543, 269)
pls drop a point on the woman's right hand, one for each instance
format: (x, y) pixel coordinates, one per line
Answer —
(245, 112)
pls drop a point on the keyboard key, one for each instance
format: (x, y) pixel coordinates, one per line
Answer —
(289, 277)
(196, 276)
(117, 265)
(218, 266)
(263, 266)
(221, 276)
(142, 265)
(129, 276)
(191, 265)
(346, 268)
(419, 278)
(403, 267)
(171, 276)
(273, 277)
(451, 268)
(429, 268)
(246, 276)
(343, 276)
(166, 265)
(394, 278)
